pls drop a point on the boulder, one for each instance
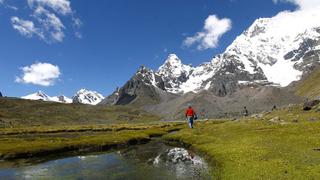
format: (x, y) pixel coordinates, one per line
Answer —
(310, 104)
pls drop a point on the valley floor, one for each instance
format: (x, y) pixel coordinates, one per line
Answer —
(283, 144)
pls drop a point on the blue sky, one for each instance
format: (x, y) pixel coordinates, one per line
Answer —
(100, 44)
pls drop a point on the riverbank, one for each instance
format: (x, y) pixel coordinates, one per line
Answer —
(282, 144)
(37, 141)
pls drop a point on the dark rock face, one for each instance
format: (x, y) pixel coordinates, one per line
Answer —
(143, 85)
(1, 94)
(310, 104)
(306, 52)
(225, 81)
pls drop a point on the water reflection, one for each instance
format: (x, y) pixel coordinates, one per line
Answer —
(154, 160)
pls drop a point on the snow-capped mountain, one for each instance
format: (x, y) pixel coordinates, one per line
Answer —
(271, 52)
(277, 50)
(40, 95)
(84, 96)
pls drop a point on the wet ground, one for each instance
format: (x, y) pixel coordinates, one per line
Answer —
(154, 160)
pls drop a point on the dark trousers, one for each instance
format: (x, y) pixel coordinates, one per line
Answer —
(190, 121)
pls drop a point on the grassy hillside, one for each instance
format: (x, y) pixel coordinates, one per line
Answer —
(18, 112)
(309, 87)
(283, 144)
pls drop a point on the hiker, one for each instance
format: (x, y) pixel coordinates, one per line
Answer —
(245, 111)
(190, 115)
(274, 108)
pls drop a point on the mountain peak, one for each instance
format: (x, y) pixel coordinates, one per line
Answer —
(39, 95)
(85, 96)
(143, 69)
(174, 73)
(173, 66)
(172, 61)
(173, 58)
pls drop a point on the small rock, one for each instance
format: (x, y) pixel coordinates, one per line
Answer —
(257, 116)
(275, 120)
(268, 112)
(313, 119)
(295, 120)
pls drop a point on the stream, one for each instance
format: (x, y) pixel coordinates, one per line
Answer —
(154, 160)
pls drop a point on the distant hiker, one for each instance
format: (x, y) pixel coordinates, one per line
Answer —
(190, 115)
(274, 108)
(245, 111)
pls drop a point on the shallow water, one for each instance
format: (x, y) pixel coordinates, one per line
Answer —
(153, 160)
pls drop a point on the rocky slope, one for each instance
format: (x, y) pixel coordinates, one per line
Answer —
(144, 88)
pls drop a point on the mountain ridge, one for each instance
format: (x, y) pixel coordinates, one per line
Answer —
(82, 96)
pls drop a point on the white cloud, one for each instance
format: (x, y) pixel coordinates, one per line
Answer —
(302, 4)
(50, 23)
(6, 5)
(46, 20)
(25, 27)
(212, 31)
(43, 74)
(60, 6)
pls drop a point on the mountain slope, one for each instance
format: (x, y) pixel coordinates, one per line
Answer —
(36, 113)
(309, 87)
(208, 105)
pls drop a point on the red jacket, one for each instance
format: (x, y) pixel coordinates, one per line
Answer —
(190, 112)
